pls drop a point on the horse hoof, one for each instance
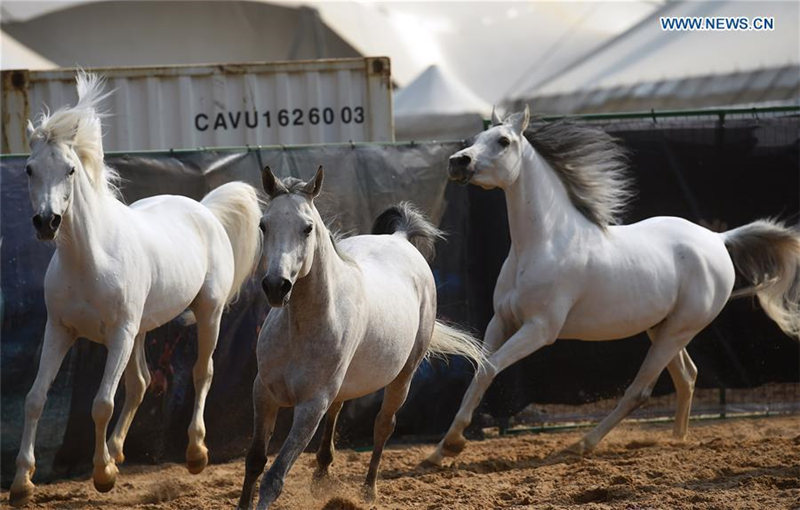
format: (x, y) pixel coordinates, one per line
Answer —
(579, 449)
(196, 466)
(434, 460)
(21, 496)
(454, 447)
(106, 481)
(370, 494)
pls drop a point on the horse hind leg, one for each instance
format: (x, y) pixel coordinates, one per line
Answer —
(208, 323)
(684, 374)
(326, 446)
(663, 350)
(137, 379)
(393, 398)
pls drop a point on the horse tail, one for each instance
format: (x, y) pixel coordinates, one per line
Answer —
(237, 206)
(406, 218)
(448, 340)
(766, 254)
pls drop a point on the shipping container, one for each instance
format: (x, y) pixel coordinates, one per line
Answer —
(180, 107)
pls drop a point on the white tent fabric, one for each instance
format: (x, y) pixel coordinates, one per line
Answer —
(439, 92)
(648, 54)
(488, 45)
(437, 106)
(173, 32)
(18, 56)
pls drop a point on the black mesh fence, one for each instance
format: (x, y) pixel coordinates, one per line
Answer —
(718, 171)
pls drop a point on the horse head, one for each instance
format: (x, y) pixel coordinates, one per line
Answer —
(288, 225)
(51, 172)
(495, 156)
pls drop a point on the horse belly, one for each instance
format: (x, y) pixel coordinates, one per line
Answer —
(603, 323)
(383, 352)
(615, 309)
(180, 269)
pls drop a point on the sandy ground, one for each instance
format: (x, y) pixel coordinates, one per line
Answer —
(751, 463)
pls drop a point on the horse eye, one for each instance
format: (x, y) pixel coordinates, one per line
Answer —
(28, 170)
(504, 141)
(308, 229)
(71, 170)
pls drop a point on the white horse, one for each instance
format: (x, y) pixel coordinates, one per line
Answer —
(349, 317)
(571, 274)
(120, 271)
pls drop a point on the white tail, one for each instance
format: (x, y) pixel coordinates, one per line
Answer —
(767, 254)
(448, 340)
(237, 206)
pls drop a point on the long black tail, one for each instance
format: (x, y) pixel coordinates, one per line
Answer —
(404, 217)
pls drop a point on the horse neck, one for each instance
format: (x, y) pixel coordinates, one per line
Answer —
(316, 293)
(539, 208)
(86, 223)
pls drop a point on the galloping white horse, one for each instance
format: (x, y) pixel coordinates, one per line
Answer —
(349, 317)
(121, 271)
(571, 274)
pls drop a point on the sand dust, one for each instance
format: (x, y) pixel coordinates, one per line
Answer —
(743, 463)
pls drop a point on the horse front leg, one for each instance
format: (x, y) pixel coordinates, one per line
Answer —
(137, 379)
(57, 342)
(326, 446)
(120, 345)
(306, 419)
(531, 337)
(265, 410)
(207, 333)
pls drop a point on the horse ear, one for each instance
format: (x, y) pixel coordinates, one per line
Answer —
(519, 121)
(73, 134)
(496, 121)
(314, 186)
(272, 185)
(29, 129)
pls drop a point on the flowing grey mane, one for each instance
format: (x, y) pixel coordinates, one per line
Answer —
(591, 164)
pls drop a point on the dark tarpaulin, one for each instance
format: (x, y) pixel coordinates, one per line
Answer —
(360, 182)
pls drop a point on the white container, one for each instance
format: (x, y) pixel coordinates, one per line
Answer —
(182, 107)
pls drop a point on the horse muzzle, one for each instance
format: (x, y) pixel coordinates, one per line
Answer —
(46, 225)
(459, 169)
(278, 290)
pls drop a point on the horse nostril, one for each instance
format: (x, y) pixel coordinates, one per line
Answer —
(463, 160)
(55, 222)
(265, 285)
(37, 221)
(286, 286)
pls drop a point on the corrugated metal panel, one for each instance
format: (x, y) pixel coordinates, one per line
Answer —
(300, 102)
(774, 86)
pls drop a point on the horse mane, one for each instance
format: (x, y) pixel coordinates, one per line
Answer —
(80, 126)
(591, 164)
